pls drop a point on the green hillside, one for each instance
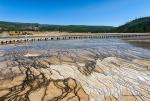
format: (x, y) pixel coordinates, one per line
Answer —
(14, 26)
(140, 25)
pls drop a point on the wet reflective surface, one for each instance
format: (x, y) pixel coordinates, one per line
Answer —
(75, 70)
(113, 45)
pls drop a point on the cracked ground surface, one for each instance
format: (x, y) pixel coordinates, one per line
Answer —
(74, 75)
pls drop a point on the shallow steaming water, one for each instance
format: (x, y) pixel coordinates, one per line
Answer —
(100, 44)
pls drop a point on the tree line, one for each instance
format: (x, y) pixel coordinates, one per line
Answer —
(136, 26)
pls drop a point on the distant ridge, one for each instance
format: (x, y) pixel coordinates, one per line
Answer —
(140, 25)
(16, 26)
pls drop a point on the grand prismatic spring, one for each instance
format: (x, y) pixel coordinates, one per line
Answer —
(75, 70)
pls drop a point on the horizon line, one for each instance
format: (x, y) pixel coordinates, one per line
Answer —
(69, 24)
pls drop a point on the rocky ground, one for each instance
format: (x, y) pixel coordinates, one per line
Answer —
(73, 75)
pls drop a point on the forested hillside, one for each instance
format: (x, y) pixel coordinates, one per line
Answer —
(140, 25)
(13, 26)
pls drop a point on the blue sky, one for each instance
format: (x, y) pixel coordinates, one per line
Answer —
(74, 12)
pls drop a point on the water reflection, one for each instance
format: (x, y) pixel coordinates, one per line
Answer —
(112, 46)
(140, 44)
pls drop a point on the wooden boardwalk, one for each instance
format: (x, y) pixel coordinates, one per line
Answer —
(133, 36)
